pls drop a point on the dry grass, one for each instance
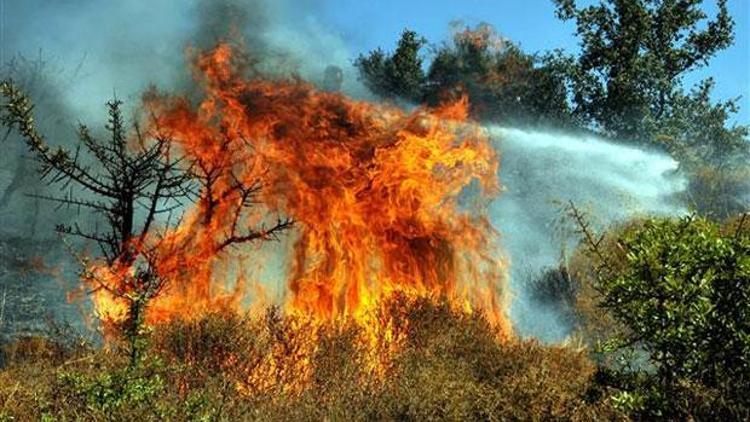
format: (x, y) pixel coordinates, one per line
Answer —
(446, 366)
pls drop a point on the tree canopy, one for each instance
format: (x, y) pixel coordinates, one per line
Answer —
(634, 55)
(503, 83)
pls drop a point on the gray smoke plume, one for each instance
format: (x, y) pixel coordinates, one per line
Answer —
(95, 49)
(123, 47)
(72, 57)
(542, 171)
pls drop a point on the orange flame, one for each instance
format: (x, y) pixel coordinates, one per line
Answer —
(377, 195)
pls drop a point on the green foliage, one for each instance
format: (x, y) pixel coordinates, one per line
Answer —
(398, 75)
(109, 392)
(713, 153)
(634, 54)
(681, 288)
(699, 132)
(685, 294)
(627, 83)
(503, 83)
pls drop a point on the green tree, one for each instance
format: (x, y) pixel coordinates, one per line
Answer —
(396, 75)
(503, 83)
(711, 151)
(634, 54)
(683, 294)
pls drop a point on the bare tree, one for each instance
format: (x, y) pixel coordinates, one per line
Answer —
(33, 75)
(129, 184)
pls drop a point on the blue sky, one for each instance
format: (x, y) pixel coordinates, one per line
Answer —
(365, 25)
(72, 32)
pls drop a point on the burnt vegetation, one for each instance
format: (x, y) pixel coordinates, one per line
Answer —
(660, 306)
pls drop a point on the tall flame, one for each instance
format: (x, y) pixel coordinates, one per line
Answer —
(378, 196)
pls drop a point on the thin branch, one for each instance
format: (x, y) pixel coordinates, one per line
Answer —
(270, 234)
(585, 229)
(98, 206)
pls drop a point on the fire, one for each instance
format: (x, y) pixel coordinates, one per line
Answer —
(378, 197)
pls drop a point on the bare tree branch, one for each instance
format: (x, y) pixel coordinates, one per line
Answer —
(592, 243)
(270, 234)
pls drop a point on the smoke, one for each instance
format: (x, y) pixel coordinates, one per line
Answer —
(541, 171)
(95, 50)
(123, 47)
(73, 56)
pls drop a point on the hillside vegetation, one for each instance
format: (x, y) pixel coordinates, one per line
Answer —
(660, 306)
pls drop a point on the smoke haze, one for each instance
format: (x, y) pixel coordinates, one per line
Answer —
(541, 172)
(94, 51)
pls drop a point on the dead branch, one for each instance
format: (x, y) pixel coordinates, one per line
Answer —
(270, 234)
(593, 244)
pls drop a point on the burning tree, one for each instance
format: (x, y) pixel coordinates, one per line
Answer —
(376, 191)
(379, 194)
(134, 179)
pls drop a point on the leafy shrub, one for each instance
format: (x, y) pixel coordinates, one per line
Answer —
(107, 393)
(681, 291)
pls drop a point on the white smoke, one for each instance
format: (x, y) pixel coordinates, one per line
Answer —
(72, 57)
(541, 171)
(122, 47)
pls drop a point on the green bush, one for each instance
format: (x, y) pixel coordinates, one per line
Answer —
(681, 291)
